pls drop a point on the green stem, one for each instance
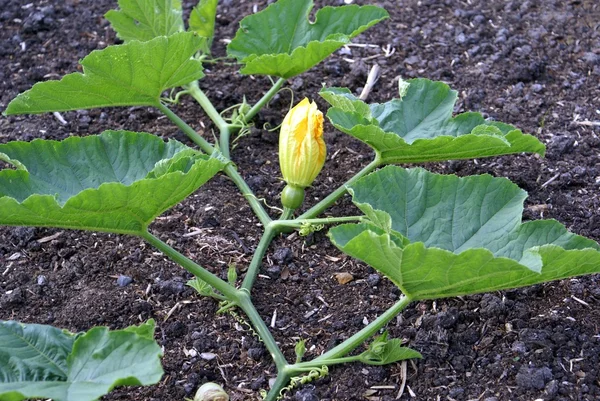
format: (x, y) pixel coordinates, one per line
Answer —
(298, 223)
(287, 213)
(230, 169)
(264, 100)
(259, 325)
(314, 364)
(281, 381)
(189, 131)
(206, 104)
(240, 297)
(255, 204)
(222, 286)
(224, 129)
(225, 133)
(359, 338)
(259, 253)
(332, 197)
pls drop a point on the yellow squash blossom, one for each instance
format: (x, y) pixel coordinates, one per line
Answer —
(302, 150)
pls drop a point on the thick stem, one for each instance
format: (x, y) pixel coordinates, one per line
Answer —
(332, 197)
(255, 204)
(280, 382)
(264, 100)
(359, 338)
(230, 292)
(225, 133)
(189, 131)
(259, 253)
(259, 325)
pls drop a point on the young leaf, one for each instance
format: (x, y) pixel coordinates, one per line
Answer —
(292, 44)
(201, 286)
(202, 21)
(391, 351)
(300, 349)
(117, 181)
(420, 128)
(88, 365)
(465, 235)
(133, 74)
(145, 20)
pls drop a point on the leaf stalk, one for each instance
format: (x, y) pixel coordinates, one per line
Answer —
(368, 331)
(341, 190)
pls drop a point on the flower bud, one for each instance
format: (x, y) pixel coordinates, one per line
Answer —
(302, 150)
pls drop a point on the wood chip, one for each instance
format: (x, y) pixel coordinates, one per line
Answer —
(343, 277)
(50, 237)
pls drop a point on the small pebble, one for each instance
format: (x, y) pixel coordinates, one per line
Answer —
(42, 280)
(256, 353)
(306, 393)
(122, 281)
(373, 279)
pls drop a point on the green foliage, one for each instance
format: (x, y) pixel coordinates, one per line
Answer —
(133, 74)
(292, 44)
(202, 287)
(300, 350)
(439, 236)
(419, 127)
(38, 361)
(433, 236)
(145, 20)
(383, 351)
(202, 21)
(118, 181)
(41, 352)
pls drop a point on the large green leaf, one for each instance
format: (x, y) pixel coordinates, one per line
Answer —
(281, 40)
(419, 127)
(461, 235)
(133, 74)
(39, 361)
(117, 181)
(144, 20)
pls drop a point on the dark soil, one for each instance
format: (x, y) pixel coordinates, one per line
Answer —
(534, 64)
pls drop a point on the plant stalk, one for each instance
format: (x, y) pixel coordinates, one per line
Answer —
(332, 197)
(359, 338)
(240, 297)
(259, 253)
(255, 204)
(280, 382)
(264, 100)
(259, 325)
(287, 213)
(212, 113)
(222, 286)
(189, 131)
(229, 169)
(224, 129)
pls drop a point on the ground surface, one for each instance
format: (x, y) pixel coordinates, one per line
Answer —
(534, 64)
